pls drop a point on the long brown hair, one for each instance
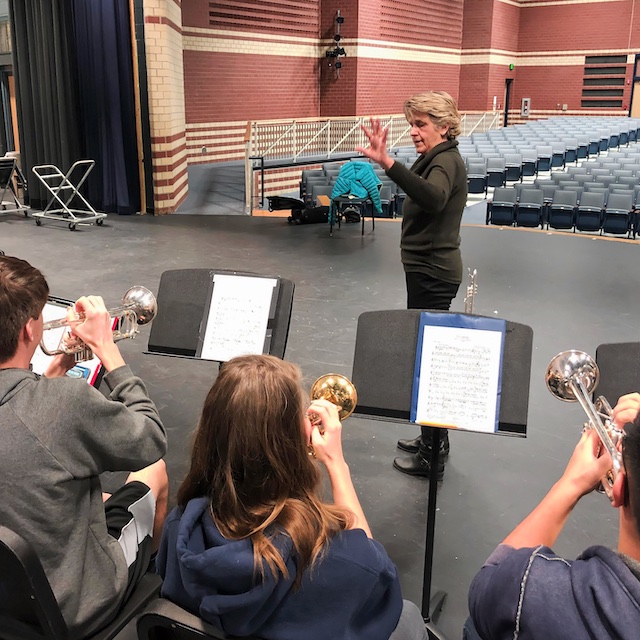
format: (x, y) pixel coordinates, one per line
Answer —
(250, 459)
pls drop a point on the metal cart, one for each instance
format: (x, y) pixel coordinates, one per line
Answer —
(64, 188)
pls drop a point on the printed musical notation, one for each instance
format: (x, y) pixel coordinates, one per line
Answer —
(458, 377)
(238, 316)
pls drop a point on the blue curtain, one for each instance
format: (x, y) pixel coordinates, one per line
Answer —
(106, 97)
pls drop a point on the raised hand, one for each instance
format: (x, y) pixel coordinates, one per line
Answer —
(377, 149)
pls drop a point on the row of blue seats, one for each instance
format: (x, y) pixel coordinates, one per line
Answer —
(594, 211)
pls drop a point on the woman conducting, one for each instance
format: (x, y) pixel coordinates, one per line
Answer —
(252, 547)
(436, 195)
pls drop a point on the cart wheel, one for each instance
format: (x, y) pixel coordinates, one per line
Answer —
(38, 222)
(72, 226)
(26, 214)
(99, 221)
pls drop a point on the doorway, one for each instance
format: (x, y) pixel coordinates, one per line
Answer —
(634, 107)
(507, 100)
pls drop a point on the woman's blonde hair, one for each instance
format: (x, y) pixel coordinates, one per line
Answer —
(250, 459)
(439, 106)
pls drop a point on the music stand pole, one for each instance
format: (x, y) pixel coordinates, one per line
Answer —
(431, 607)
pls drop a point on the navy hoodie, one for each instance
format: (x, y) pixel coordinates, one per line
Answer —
(353, 592)
(531, 594)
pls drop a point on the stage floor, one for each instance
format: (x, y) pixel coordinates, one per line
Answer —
(576, 292)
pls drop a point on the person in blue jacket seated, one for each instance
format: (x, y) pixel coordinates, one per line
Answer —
(252, 547)
(526, 591)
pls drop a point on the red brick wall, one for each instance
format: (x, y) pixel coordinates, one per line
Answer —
(384, 85)
(399, 42)
(574, 27)
(579, 30)
(505, 27)
(195, 13)
(229, 87)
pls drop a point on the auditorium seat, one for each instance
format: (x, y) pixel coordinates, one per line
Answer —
(589, 212)
(501, 210)
(561, 211)
(496, 173)
(477, 177)
(617, 214)
(529, 210)
(529, 162)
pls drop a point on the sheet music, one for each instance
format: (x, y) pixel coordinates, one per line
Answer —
(459, 378)
(238, 316)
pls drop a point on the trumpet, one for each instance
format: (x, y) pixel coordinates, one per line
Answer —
(338, 390)
(571, 376)
(138, 307)
(472, 289)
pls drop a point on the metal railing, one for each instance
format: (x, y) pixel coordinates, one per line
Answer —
(296, 142)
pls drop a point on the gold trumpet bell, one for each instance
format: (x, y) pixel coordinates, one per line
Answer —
(338, 390)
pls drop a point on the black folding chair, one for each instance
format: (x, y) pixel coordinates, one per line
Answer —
(11, 178)
(28, 608)
(163, 620)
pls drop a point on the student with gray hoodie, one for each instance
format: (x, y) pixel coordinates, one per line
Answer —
(58, 435)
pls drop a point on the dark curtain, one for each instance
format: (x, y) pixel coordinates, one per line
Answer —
(75, 93)
(44, 69)
(106, 92)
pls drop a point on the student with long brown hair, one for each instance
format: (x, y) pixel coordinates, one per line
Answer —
(252, 547)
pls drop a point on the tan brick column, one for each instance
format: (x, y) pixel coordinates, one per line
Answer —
(165, 73)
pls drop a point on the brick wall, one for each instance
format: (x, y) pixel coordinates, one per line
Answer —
(163, 42)
(214, 67)
(555, 38)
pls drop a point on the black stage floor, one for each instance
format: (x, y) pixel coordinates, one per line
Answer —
(574, 291)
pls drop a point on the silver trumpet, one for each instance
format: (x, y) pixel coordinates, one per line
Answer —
(138, 307)
(572, 376)
(472, 289)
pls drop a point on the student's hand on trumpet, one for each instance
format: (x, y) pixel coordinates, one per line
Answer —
(588, 463)
(95, 330)
(626, 410)
(325, 431)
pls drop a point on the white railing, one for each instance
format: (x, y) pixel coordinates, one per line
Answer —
(294, 142)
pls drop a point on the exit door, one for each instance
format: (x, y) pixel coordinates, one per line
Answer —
(634, 110)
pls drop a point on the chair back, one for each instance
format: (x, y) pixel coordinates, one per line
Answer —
(564, 198)
(620, 202)
(164, 620)
(531, 197)
(505, 195)
(592, 200)
(28, 609)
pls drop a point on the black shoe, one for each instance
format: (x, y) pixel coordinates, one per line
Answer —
(413, 446)
(417, 466)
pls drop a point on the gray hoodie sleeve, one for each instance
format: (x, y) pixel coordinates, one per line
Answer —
(120, 433)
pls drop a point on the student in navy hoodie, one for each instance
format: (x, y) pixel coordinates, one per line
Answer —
(252, 547)
(525, 591)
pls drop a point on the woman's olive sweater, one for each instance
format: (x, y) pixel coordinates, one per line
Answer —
(436, 188)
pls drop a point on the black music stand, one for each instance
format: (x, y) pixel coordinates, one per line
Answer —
(619, 366)
(391, 337)
(183, 297)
